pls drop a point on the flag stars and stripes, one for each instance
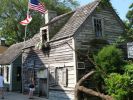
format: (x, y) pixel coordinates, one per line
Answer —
(34, 5)
(37, 6)
(26, 21)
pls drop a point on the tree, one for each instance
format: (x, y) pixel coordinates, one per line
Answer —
(109, 59)
(128, 36)
(14, 11)
(114, 74)
(130, 15)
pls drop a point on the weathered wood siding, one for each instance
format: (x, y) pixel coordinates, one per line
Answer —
(31, 63)
(60, 56)
(111, 28)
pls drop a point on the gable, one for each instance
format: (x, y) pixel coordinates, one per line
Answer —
(112, 27)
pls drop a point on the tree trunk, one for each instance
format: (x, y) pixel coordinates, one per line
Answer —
(89, 91)
(94, 93)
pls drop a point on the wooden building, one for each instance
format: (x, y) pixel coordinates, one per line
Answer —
(64, 41)
(10, 62)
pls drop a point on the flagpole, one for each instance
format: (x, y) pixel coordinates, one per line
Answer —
(26, 25)
(24, 48)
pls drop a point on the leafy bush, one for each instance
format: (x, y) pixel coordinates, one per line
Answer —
(129, 72)
(114, 76)
(109, 59)
(129, 69)
(117, 85)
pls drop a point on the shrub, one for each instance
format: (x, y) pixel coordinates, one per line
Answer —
(117, 85)
(109, 59)
(129, 72)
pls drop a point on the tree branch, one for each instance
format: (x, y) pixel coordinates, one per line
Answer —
(94, 93)
(88, 91)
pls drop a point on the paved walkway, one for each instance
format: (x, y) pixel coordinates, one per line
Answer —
(19, 96)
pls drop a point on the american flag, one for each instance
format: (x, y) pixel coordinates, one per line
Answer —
(26, 21)
(37, 6)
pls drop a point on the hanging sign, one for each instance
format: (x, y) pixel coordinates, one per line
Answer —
(130, 49)
(42, 73)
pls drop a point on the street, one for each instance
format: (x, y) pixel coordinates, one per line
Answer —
(19, 96)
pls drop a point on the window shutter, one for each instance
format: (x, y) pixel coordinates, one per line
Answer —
(64, 77)
(52, 77)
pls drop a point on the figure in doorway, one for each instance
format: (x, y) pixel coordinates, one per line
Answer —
(2, 85)
(31, 88)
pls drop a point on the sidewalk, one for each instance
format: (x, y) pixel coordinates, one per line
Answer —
(19, 96)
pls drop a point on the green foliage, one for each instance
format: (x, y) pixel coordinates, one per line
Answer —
(109, 59)
(114, 82)
(128, 35)
(117, 85)
(121, 86)
(11, 13)
(130, 13)
(129, 24)
(129, 69)
(129, 72)
(14, 11)
(106, 3)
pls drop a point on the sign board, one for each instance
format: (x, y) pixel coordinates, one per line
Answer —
(42, 73)
(130, 49)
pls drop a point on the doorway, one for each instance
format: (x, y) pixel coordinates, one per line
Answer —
(43, 83)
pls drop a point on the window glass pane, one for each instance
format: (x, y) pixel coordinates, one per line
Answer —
(44, 35)
(98, 27)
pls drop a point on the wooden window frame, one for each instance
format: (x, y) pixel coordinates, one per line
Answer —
(52, 73)
(64, 77)
(80, 67)
(102, 27)
(47, 32)
(7, 74)
(44, 34)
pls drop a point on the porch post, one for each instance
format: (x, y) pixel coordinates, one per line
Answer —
(10, 75)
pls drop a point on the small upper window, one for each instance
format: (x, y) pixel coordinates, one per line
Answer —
(44, 35)
(98, 27)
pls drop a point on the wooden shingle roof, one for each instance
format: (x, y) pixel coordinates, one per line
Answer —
(11, 53)
(59, 17)
(76, 21)
(16, 49)
(33, 41)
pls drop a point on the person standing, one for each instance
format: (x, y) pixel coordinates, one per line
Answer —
(2, 85)
(31, 89)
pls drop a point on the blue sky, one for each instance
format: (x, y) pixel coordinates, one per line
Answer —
(121, 6)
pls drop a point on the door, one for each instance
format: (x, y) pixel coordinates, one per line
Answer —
(43, 84)
(18, 80)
